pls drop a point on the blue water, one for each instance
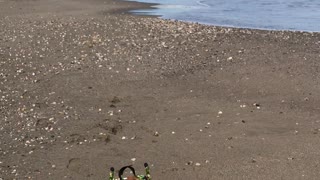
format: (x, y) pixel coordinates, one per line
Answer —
(297, 15)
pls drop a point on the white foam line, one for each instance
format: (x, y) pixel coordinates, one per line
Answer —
(202, 4)
(171, 6)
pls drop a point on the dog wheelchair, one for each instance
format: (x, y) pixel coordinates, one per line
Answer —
(134, 177)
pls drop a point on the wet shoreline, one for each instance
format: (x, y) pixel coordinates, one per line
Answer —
(273, 15)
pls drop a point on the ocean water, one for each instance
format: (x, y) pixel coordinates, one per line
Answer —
(296, 15)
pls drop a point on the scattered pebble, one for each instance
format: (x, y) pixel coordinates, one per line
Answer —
(257, 105)
(156, 133)
(243, 106)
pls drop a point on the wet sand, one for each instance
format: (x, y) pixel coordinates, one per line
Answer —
(83, 88)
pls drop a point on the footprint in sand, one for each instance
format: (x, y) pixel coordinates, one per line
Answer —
(78, 165)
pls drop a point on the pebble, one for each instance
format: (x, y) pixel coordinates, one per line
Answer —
(257, 105)
(110, 113)
(156, 133)
(243, 106)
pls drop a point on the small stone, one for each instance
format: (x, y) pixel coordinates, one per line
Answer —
(110, 113)
(198, 164)
(258, 106)
(156, 134)
(133, 159)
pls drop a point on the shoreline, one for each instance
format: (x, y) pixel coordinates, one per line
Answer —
(210, 24)
(135, 6)
(83, 89)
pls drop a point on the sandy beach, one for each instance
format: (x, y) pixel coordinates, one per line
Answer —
(85, 86)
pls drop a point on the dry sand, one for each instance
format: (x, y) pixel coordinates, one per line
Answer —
(83, 88)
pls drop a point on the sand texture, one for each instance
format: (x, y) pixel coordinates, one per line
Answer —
(84, 87)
